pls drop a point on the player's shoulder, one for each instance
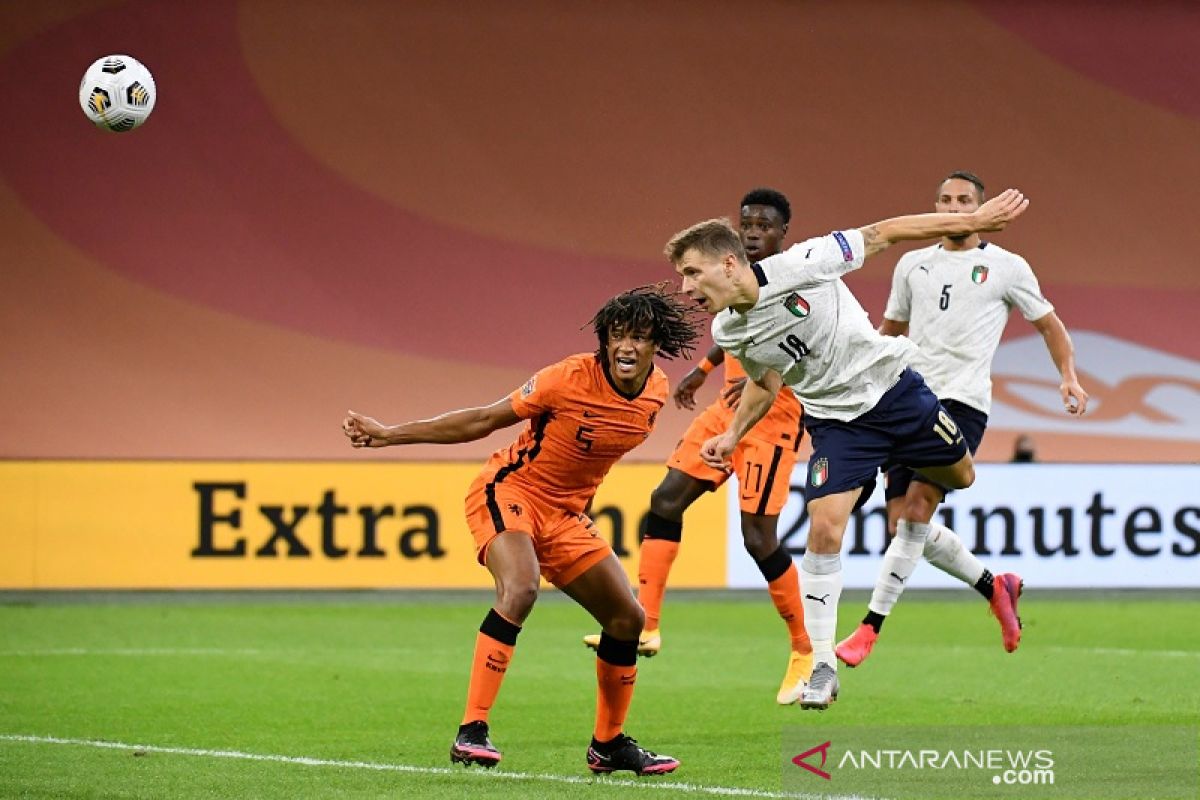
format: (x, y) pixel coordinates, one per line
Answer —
(811, 250)
(914, 258)
(997, 254)
(1005, 265)
(722, 326)
(722, 320)
(658, 385)
(835, 244)
(578, 362)
(576, 371)
(801, 248)
(581, 376)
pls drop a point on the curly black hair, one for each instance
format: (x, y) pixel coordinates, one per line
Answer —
(769, 197)
(672, 318)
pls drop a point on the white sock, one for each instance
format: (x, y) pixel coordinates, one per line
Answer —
(901, 558)
(821, 587)
(947, 552)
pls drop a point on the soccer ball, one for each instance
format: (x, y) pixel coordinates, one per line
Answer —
(117, 93)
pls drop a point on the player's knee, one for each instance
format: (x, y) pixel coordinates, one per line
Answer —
(966, 474)
(627, 622)
(760, 540)
(824, 537)
(919, 506)
(515, 599)
(919, 511)
(668, 503)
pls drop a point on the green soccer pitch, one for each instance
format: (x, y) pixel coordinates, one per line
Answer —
(357, 695)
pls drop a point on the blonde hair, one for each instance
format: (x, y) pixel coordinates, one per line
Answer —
(712, 237)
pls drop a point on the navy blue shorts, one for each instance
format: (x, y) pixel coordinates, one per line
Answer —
(907, 426)
(971, 421)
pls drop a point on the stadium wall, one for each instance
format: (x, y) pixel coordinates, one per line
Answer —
(1057, 525)
(224, 525)
(436, 208)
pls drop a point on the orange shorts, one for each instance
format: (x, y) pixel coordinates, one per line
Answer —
(764, 468)
(567, 543)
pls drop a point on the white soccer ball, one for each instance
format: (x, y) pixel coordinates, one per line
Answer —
(117, 93)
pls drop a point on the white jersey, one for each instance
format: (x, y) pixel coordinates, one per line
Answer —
(809, 328)
(957, 303)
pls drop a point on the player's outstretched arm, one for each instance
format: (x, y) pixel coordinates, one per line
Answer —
(757, 398)
(453, 427)
(993, 215)
(1062, 352)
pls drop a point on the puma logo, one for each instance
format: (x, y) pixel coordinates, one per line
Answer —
(897, 577)
(820, 599)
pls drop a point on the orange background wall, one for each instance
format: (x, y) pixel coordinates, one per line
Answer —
(404, 208)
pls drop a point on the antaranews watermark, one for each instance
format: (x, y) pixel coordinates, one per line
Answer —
(993, 761)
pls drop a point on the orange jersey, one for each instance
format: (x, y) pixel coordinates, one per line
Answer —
(579, 426)
(782, 421)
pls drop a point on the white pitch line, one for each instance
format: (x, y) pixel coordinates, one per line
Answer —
(132, 651)
(959, 649)
(217, 652)
(1126, 651)
(653, 784)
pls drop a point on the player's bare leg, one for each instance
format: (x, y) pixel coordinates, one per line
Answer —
(661, 539)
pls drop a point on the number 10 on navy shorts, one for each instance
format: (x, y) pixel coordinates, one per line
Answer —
(906, 427)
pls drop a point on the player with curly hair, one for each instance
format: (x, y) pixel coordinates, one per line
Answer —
(526, 509)
(763, 462)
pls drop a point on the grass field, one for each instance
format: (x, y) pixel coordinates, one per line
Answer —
(359, 695)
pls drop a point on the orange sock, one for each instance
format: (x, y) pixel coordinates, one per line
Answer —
(785, 593)
(614, 685)
(494, 647)
(654, 567)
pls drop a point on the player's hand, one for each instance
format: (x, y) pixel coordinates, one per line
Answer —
(717, 451)
(1074, 398)
(363, 431)
(685, 392)
(732, 394)
(1000, 210)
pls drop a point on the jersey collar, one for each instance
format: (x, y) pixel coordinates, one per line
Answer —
(982, 244)
(617, 389)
